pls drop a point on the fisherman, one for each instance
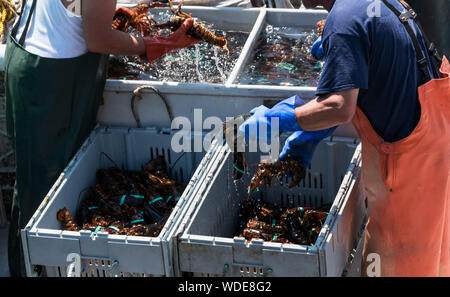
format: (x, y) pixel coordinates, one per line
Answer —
(379, 75)
(55, 75)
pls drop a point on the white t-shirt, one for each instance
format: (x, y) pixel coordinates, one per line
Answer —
(54, 31)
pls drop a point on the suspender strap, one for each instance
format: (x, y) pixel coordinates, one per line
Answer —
(27, 25)
(404, 17)
(436, 57)
(16, 27)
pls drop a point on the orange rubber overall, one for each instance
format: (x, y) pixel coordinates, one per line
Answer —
(408, 187)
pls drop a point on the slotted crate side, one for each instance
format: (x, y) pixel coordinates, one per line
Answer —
(213, 219)
(203, 173)
(181, 165)
(343, 243)
(94, 267)
(48, 245)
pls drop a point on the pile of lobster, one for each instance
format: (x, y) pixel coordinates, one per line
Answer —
(126, 202)
(269, 222)
(146, 25)
(267, 171)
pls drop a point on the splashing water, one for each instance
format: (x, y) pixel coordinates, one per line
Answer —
(200, 63)
(282, 58)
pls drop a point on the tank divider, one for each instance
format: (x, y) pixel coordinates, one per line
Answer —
(248, 48)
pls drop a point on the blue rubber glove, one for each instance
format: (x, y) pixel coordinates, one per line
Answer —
(317, 49)
(302, 144)
(284, 111)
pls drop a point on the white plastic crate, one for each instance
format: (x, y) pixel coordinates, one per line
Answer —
(207, 245)
(105, 254)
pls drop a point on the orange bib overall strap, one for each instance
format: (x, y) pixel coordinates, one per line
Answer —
(408, 188)
(407, 182)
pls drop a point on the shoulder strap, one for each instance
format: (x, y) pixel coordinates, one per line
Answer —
(27, 25)
(404, 17)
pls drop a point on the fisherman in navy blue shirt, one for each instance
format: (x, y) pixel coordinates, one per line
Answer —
(378, 75)
(375, 55)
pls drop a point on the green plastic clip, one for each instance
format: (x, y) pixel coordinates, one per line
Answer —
(286, 66)
(318, 66)
(137, 196)
(226, 267)
(114, 227)
(154, 200)
(136, 221)
(97, 229)
(122, 200)
(255, 190)
(267, 271)
(240, 170)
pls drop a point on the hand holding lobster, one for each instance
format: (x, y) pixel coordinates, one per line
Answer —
(187, 32)
(160, 45)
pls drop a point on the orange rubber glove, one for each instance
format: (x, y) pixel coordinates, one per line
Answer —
(160, 45)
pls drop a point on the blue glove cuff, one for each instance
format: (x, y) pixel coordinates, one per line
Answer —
(285, 111)
(317, 49)
(302, 144)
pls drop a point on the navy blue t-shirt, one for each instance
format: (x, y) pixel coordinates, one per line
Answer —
(376, 55)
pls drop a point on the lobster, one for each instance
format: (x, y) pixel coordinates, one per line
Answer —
(157, 167)
(145, 25)
(106, 205)
(126, 202)
(320, 24)
(196, 31)
(254, 224)
(271, 222)
(139, 21)
(144, 230)
(267, 171)
(239, 163)
(66, 219)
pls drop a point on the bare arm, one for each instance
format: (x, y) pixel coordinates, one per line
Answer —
(327, 111)
(99, 35)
